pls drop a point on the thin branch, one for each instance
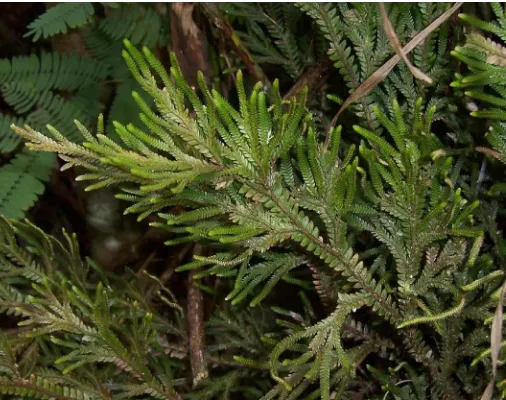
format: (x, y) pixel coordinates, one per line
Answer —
(196, 335)
(145, 264)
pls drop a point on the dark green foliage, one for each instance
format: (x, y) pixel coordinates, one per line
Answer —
(59, 18)
(31, 86)
(22, 181)
(75, 323)
(358, 46)
(8, 141)
(139, 23)
(57, 89)
(50, 71)
(271, 34)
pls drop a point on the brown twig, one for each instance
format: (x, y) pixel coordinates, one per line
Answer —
(233, 41)
(196, 336)
(381, 73)
(314, 78)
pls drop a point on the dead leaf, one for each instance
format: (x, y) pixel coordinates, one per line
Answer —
(495, 344)
(394, 40)
(377, 77)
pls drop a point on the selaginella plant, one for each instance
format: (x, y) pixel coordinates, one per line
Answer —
(384, 228)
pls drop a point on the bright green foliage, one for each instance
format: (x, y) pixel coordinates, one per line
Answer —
(59, 18)
(389, 224)
(362, 261)
(142, 24)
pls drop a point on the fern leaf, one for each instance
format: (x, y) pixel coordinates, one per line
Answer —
(22, 181)
(8, 139)
(59, 18)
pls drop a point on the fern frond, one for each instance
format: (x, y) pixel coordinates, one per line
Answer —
(8, 139)
(22, 181)
(138, 23)
(51, 71)
(59, 18)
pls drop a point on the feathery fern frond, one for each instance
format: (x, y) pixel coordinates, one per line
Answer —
(358, 46)
(31, 85)
(139, 23)
(51, 71)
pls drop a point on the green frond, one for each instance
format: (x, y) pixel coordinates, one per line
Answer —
(31, 85)
(59, 18)
(433, 318)
(51, 71)
(9, 141)
(81, 318)
(22, 181)
(138, 23)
